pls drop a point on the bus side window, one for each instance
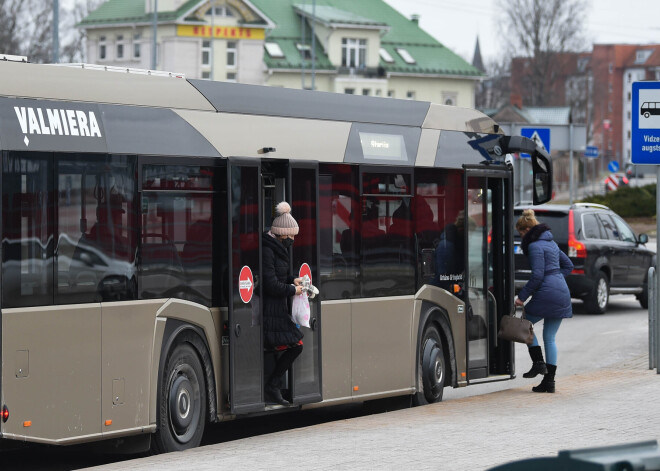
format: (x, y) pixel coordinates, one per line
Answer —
(340, 243)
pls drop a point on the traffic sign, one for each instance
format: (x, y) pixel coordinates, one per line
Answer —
(645, 137)
(305, 270)
(246, 284)
(591, 152)
(541, 136)
(613, 166)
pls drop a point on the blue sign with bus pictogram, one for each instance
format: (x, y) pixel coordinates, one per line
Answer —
(645, 137)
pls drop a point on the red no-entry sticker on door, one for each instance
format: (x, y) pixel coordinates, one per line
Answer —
(305, 270)
(246, 284)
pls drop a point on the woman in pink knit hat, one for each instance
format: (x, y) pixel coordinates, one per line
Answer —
(280, 333)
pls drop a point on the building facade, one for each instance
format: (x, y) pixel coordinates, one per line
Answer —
(342, 46)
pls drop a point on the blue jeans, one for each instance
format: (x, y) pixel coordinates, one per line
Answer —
(550, 328)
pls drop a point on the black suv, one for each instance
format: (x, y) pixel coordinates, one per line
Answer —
(608, 257)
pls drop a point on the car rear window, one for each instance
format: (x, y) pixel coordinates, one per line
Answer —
(558, 223)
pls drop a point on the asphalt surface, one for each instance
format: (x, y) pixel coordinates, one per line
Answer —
(618, 404)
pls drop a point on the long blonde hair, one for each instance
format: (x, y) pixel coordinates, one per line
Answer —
(527, 220)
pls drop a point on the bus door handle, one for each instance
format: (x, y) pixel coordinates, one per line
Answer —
(237, 330)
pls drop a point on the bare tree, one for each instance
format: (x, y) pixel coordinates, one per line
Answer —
(26, 28)
(495, 90)
(73, 49)
(540, 31)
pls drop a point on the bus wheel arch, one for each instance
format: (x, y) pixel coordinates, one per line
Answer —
(186, 389)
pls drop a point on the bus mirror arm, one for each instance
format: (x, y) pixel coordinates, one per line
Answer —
(541, 165)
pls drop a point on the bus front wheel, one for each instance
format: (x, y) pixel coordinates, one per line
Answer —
(647, 114)
(431, 371)
(181, 402)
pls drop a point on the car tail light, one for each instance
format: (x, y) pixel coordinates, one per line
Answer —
(576, 249)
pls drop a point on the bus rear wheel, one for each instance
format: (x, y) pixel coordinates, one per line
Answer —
(181, 403)
(431, 371)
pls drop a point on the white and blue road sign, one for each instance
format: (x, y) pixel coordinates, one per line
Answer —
(591, 152)
(539, 135)
(646, 123)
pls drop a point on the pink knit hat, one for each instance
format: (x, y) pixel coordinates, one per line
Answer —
(284, 224)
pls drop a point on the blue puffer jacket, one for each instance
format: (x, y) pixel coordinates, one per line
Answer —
(547, 286)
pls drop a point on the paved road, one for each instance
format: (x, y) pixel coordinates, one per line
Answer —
(605, 396)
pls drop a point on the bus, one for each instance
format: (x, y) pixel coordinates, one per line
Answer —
(133, 207)
(650, 108)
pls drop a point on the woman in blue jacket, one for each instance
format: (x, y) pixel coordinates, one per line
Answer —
(551, 299)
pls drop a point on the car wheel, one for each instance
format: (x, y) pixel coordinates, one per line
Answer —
(596, 301)
(181, 402)
(647, 114)
(431, 370)
(643, 297)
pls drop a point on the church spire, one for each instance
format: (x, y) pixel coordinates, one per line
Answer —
(476, 60)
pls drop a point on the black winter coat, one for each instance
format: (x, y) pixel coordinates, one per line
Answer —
(279, 329)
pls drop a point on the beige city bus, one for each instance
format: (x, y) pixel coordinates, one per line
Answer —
(133, 207)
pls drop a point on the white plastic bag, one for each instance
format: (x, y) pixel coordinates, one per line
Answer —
(300, 310)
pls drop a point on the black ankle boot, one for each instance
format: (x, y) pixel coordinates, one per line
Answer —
(548, 383)
(538, 365)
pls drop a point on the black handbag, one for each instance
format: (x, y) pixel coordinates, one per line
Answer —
(516, 329)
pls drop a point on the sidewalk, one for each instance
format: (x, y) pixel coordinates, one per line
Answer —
(615, 405)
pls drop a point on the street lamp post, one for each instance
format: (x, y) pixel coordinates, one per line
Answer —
(154, 44)
(56, 31)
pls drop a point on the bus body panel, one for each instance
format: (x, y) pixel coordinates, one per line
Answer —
(127, 362)
(336, 356)
(455, 308)
(428, 147)
(73, 84)
(208, 321)
(459, 119)
(299, 139)
(52, 372)
(381, 344)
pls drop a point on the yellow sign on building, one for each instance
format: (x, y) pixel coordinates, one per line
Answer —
(222, 32)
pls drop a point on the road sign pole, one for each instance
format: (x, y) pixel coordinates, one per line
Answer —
(570, 158)
(656, 305)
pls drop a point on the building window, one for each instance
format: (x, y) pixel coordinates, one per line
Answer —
(643, 55)
(137, 53)
(386, 56)
(353, 52)
(390, 93)
(379, 92)
(609, 106)
(120, 46)
(231, 77)
(206, 52)
(610, 68)
(405, 55)
(410, 95)
(206, 75)
(231, 54)
(102, 48)
(629, 135)
(220, 11)
(305, 51)
(349, 91)
(609, 88)
(629, 115)
(274, 50)
(366, 91)
(449, 98)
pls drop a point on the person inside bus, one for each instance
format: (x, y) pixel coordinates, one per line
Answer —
(281, 335)
(450, 254)
(551, 299)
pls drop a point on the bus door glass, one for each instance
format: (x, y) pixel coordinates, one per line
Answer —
(244, 252)
(476, 240)
(488, 262)
(303, 184)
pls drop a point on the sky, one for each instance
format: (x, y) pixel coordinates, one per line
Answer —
(456, 23)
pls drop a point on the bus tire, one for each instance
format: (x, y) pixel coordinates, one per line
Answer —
(431, 368)
(181, 402)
